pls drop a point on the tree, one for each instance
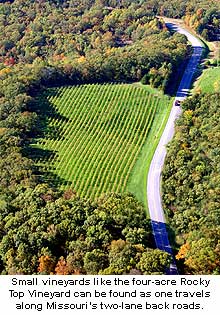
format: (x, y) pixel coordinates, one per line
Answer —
(154, 261)
(95, 261)
(46, 265)
(61, 267)
(122, 257)
(201, 252)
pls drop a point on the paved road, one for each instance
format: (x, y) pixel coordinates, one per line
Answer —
(154, 175)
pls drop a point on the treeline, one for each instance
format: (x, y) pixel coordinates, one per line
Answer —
(44, 232)
(90, 40)
(203, 16)
(67, 42)
(191, 184)
(43, 43)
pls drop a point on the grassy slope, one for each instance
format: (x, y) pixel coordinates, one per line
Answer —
(209, 81)
(138, 180)
(138, 176)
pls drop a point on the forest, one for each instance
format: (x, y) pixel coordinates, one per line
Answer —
(201, 15)
(191, 184)
(51, 43)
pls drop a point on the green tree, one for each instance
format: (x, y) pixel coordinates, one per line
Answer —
(154, 261)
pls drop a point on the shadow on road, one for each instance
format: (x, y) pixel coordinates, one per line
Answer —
(188, 71)
(162, 243)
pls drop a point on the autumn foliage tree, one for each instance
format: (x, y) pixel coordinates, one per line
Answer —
(46, 265)
(191, 184)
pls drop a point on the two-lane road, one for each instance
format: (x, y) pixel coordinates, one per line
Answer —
(154, 175)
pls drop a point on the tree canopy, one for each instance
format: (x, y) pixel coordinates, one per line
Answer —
(47, 43)
(191, 183)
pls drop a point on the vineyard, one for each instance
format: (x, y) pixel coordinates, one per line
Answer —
(94, 135)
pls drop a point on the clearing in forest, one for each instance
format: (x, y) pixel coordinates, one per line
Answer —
(95, 134)
(209, 82)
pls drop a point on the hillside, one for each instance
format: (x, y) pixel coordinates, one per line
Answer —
(94, 135)
(54, 218)
(209, 82)
(203, 16)
(191, 184)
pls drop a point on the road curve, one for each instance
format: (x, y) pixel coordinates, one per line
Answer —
(154, 174)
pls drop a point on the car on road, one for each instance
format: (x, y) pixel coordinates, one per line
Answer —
(177, 102)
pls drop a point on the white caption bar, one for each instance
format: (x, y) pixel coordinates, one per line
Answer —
(110, 294)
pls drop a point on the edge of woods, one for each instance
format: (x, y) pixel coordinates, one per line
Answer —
(137, 181)
(208, 51)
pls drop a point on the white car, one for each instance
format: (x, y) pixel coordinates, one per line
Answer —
(177, 102)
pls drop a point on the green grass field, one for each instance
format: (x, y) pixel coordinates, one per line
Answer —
(209, 81)
(100, 138)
